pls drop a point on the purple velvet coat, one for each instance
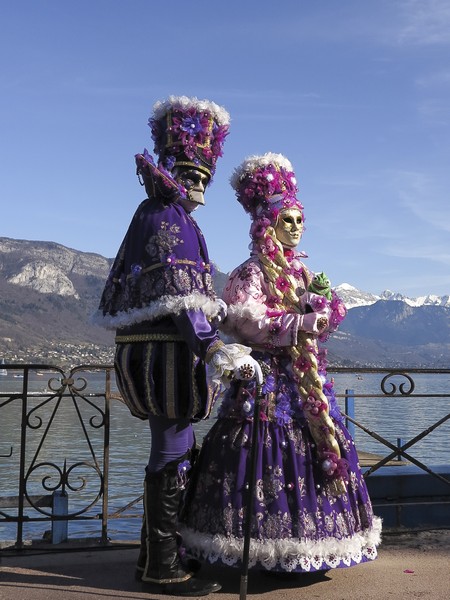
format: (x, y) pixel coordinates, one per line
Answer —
(160, 300)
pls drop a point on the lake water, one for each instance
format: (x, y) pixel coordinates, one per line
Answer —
(75, 435)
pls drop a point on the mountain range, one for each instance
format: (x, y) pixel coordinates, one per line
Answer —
(48, 292)
(354, 297)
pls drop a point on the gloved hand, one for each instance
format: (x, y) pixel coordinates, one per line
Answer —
(221, 313)
(232, 360)
(246, 368)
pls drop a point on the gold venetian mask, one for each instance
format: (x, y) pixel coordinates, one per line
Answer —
(289, 227)
(195, 182)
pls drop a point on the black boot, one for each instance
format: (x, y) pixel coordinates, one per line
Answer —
(162, 493)
(189, 563)
(142, 558)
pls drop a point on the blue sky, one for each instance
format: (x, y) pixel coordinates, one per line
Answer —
(355, 93)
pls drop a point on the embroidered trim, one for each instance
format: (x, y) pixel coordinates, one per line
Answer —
(213, 348)
(170, 381)
(148, 337)
(179, 261)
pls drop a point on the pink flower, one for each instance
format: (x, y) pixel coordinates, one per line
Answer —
(319, 302)
(268, 248)
(258, 228)
(314, 405)
(272, 302)
(282, 284)
(274, 313)
(302, 364)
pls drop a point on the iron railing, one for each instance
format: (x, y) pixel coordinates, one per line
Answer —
(58, 426)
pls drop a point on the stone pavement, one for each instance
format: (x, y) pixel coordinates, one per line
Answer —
(409, 565)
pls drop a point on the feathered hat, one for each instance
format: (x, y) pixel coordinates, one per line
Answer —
(189, 132)
(265, 185)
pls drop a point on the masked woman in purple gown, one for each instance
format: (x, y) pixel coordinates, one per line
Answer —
(311, 509)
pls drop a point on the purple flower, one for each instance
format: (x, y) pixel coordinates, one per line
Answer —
(200, 265)
(283, 417)
(191, 124)
(171, 259)
(136, 271)
(269, 384)
(169, 162)
(184, 466)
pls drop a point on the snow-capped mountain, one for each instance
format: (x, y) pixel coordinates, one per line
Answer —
(48, 292)
(353, 297)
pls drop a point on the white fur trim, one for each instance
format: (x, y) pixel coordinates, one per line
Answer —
(166, 305)
(290, 554)
(251, 163)
(220, 114)
(247, 311)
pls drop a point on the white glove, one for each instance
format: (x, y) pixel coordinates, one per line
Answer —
(233, 359)
(246, 368)
(222, 312)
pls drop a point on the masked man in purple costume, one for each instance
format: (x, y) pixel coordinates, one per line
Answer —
(160, 300)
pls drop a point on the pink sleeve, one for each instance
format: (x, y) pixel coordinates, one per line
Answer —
(249, 318)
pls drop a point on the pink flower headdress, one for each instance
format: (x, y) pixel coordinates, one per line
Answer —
(265, 185)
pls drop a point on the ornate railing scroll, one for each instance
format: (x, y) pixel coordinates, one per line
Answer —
(402, 388)
(61, 443)
(63, 433)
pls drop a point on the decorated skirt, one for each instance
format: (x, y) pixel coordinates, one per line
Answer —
(297, 525)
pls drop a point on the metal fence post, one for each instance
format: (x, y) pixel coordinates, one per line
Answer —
(400, 443)
(350, 411)
(60, 505)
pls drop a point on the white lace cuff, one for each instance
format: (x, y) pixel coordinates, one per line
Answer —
(223, 362)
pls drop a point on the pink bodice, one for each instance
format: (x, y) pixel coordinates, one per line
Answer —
(251, 320)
